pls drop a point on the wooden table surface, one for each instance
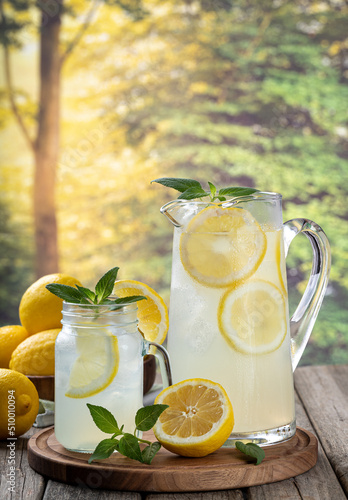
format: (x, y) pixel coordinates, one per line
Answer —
(322, 408)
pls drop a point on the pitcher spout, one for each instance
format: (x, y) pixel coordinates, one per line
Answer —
(179, 211)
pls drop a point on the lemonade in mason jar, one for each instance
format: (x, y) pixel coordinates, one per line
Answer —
(99, 358)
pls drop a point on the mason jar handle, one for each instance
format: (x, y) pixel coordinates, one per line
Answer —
(303, 319)
(164, 362)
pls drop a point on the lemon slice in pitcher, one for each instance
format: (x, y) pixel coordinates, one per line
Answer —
(252, 317)
(222, 245)
(95, 367)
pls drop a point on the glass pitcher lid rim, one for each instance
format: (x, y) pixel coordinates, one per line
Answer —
(257, 196)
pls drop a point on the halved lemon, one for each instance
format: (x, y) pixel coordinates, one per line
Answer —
(152, 312)
(95, 367)
(252, 317)
(199, 418)
(222, 245)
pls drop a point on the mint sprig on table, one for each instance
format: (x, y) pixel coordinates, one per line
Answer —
(191, 189)
(100, 296)
(125, 443)
(129, 444)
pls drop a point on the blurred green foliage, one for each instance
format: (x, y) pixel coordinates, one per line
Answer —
(248, 93)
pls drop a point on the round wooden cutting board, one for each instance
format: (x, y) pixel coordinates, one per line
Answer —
(225, 469)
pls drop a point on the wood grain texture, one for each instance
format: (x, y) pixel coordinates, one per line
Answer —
(44, 386)
(61, 491)
(224, 469)
(319, 483)
(324, 394)
(28, 484)
(207, 495)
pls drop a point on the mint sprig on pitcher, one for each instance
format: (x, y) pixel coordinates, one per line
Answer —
(191, 189)
(100, 296)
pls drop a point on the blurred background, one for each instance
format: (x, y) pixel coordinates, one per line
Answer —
(98, 98)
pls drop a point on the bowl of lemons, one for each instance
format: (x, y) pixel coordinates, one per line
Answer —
(29, 348)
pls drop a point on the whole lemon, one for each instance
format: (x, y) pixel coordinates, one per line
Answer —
(10, 337)
(39, 309)
(19, 403)
(35, 355)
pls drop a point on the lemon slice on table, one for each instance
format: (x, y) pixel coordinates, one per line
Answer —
(222, 245)
(95, 367)
(152, 313)
(252, 317)
(199, 418)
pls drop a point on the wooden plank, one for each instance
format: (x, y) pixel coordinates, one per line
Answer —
(61, 491)
(309, 485)
(323, 392)
(318, 483)
(321, 481)
(209, 495)
(27, 483)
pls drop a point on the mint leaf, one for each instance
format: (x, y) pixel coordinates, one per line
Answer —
(128, 445)
(88, 294)
(103, 450)
(178, 183)
(252, 450)
(103, 289)
(236, 191)
(65, 292)
(120, 302)
(147, 416)
(103, 419)
(150, 451)
(212, 190)
(128, 300)
(105, 285)
(191, 189)
(192, 193)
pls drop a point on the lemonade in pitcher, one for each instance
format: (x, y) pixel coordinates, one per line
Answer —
(217, 325)
(228, 314)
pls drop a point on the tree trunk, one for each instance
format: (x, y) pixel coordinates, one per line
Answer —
(47, 143)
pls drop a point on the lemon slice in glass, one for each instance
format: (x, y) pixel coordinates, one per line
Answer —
(95, 367)
(199, 418)
(222, 245)
(152, 313)
(252, 317)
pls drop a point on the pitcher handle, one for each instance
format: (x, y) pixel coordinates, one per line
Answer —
(164, 362)
(303, 319)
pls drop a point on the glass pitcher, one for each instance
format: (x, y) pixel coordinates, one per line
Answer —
(229, 319)
(99, 360)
